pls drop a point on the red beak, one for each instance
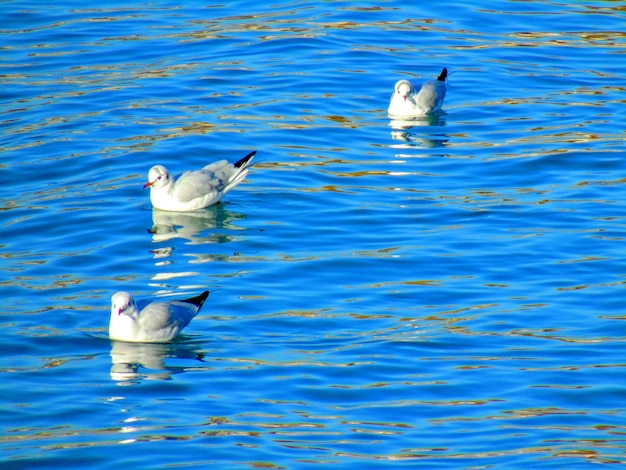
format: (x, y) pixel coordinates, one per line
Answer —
(149, 183)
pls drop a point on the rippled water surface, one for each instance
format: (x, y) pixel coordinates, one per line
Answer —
(445, 292)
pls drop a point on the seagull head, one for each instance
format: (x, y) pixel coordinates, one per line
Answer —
(122, 303)
(158, 176)
(403, 88)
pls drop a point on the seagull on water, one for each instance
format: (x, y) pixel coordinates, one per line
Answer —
(196, 189)
(406, 102)
(157, 322)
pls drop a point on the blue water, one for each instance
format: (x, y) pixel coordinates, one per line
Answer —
(442, 293)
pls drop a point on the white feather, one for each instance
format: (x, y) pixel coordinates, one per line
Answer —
(157, 322)
(194, 190)
(406, 102)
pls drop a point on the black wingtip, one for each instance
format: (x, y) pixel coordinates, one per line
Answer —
(198, 300)
(244, 161)
(443, 75)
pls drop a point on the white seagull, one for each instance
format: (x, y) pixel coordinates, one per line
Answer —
(157, 322)
(194, 190)
(406, 102)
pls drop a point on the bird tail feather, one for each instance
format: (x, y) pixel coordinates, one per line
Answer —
(198, 300)
(240, 171)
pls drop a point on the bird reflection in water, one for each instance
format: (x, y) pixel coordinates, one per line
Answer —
(419, 130)
(132, 362)
(192, 226)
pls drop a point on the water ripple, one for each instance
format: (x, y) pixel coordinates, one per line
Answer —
(439, 291)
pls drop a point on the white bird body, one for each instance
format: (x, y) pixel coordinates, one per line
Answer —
(156, 322)
(196, 189)
(406, 102)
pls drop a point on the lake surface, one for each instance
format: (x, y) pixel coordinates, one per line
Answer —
(446, 292)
